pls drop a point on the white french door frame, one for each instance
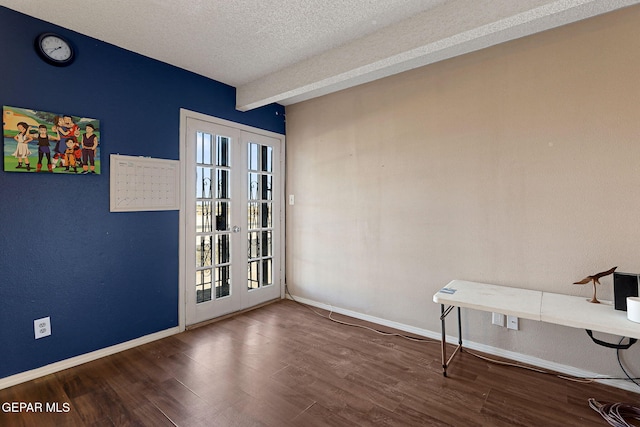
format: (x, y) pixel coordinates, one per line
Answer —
(183, 246)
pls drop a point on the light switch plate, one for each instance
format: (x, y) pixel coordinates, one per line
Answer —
(512, 322)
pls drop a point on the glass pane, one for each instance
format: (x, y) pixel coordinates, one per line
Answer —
(267, 180)
(203, 148)
(266, 216)
(199, 148)
(253, 216)
(222, 184)
(254, 281)
(223, 281)
(254, 244)
(203, 250)
(223, 215)
(222, 151)
(203, 286)
(266, 244)
(222, 249)
(206, 147)
(203, 182)
(253, 157)
(267, 159)
(267, 277)
(204, 216)
(254, 186)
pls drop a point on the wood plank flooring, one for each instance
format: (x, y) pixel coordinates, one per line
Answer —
(282, 365)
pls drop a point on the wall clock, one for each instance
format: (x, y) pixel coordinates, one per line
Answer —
(54, 49)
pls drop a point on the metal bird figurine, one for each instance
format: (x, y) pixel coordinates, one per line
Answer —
(595, 279)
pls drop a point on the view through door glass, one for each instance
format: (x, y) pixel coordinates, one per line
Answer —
(213, 216)
(260, 219)
(262, 222)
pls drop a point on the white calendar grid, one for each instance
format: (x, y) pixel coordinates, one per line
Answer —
(143, 184)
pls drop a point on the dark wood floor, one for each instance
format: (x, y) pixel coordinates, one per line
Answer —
(282, 365)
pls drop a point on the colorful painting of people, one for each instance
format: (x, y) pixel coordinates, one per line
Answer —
(67, 144)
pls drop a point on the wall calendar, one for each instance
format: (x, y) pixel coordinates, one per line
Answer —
(143, 184)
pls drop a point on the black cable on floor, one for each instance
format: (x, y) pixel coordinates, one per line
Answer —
(623, 369)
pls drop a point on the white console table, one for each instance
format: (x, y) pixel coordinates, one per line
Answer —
(576, 312)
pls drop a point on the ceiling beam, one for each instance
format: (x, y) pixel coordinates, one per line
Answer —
(424, 39)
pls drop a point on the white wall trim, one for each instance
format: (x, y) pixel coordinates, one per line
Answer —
(182, 226)
(495, 351)
(518, 357)
(184, 113)
(83, 358)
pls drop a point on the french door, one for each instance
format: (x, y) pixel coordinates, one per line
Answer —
(233, 209)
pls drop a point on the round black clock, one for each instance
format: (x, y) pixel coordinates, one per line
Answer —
(54, 49)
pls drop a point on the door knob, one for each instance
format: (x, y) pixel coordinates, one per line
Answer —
(235, 229)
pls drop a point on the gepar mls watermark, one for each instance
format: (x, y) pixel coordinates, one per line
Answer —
(36, 407)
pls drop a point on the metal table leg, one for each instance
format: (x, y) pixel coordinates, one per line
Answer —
(443, 314)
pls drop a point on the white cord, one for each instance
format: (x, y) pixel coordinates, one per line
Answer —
(389, 334)
(615, 413)
(530, 368)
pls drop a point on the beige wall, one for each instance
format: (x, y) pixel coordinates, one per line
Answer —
(517, 165)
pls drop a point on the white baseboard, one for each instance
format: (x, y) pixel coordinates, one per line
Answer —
(83, 358)
(511, 355)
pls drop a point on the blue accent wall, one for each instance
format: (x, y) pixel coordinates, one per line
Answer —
(104, 278)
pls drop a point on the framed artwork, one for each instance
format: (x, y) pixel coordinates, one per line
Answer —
(50, 143)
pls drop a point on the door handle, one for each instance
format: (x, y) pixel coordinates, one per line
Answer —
(235, 229)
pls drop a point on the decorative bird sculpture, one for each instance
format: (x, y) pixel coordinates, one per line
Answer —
(595, 279)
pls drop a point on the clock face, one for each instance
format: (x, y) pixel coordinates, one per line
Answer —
(55, 49)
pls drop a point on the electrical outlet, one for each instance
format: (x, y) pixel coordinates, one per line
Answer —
(497, 319)
(42, 327)
(512, 322)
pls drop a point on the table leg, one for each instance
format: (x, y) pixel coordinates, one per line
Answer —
(443, 314)
(459, 329)
(444, 340)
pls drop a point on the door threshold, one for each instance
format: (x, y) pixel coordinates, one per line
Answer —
(227, 316)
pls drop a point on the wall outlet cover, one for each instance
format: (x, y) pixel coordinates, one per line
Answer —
(42, 327)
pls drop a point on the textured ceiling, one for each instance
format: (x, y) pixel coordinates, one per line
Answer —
(287, 51)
